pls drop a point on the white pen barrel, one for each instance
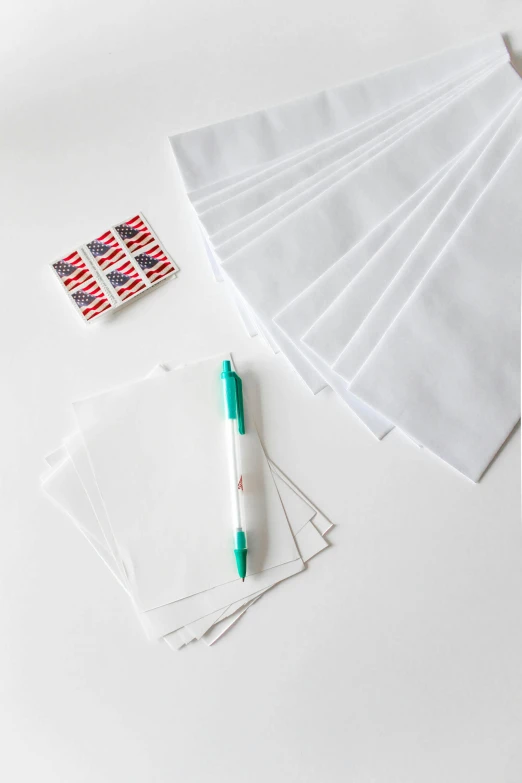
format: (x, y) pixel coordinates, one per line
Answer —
(234, 473)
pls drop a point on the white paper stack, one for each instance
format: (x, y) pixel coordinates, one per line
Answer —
(145, 480)
(371, 233)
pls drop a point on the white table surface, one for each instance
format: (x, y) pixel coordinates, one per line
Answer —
(397, 658)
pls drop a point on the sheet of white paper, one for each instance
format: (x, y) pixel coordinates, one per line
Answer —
(64, 488)
(448, 369)
(153, 447)
(311, 544)
(62, 483)
(298, 511)
(75, 504)
(216, 633)
(319, 520)
(201, 626)
(321, 523)
(334, 329)
(175, 640)
(306, 510)
(297, 508)
(79, 504)
(420, 259)
(186, 635)
(233, 608)
(213, 154)
(294, 512)
(77, 452)
(54, 458)
(166, 619)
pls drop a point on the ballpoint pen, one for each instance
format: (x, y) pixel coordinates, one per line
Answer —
(234, 411)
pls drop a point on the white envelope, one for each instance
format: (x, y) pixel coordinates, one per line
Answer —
(301, 181)
(336, 327)
(475, 106)
(278, 265)
(447, 371)
(249, 180)
(311, 303)
(291, 168)
(281, 166)
(418, 262)
(296, 318)
(271, 271)
(277, 209)
(222, 151)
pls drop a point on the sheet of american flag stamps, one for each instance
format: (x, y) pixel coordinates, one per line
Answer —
(113, 268)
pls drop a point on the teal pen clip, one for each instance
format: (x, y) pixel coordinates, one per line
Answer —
(233, 396)
(234, 409)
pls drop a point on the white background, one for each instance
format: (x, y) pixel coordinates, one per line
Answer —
(397, 658)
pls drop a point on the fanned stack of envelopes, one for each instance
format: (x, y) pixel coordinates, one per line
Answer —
(145, 480)
(372, 233)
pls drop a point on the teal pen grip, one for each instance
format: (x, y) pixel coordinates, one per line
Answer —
(240, 552)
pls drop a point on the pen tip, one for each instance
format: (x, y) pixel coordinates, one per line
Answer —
(243, 579)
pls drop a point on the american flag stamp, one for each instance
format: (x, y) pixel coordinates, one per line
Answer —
(106, 250)
(126, 280)
(72, 270)
(114, 268)
(154, 262)
(91, 300)
(135, 233)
